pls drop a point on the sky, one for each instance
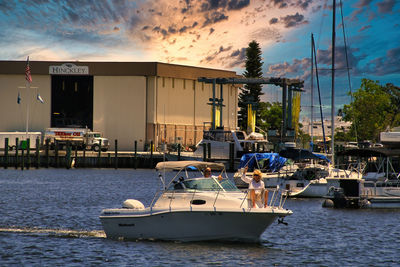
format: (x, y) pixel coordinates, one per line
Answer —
(215, 34)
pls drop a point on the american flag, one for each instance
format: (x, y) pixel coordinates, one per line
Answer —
(28, 76)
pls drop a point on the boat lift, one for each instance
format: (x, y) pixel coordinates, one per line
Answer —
(288, 86)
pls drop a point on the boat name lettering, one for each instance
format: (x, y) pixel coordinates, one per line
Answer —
(69, 69)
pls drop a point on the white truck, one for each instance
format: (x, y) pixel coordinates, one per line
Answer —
(22, 136)
(77, 137)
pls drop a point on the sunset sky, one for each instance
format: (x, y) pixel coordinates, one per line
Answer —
(212, 33)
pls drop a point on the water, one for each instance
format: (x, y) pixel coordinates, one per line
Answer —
(49, 217)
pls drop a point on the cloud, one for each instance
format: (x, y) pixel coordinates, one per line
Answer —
(293, 20)
(363, 3)
(273, 21)
(159, 30)
(389, 64)
(211, 5)
(7, 7)
(279, 3)
(363, 28)
(214, 18)
(300, 68)
(386, 6)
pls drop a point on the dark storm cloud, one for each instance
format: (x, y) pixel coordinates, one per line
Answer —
(293, 20)
(388, 64)
(386, 6)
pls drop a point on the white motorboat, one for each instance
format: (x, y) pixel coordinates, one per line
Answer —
(194, 208)
(378, 189)
(220, 141)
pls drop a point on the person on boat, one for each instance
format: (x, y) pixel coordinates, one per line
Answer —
(257, 188)
(207, 174)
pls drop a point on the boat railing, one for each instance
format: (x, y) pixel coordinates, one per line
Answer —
(278, 199)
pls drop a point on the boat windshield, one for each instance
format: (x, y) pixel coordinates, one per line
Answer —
(206, 184)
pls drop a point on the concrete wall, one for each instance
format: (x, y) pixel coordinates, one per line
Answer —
(13, 115)
(119, 109)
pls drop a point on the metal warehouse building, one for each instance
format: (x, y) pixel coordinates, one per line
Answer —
(127, 101)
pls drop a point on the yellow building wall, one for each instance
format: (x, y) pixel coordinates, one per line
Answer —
(12, 115)
(119, 109)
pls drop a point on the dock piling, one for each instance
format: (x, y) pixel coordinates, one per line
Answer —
(6, 153)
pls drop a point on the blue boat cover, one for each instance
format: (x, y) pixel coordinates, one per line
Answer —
(301, 154)
(270, 162)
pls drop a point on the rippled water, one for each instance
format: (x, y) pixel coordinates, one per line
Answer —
(50, 217)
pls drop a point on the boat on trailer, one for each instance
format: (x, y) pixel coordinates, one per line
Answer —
(194, 208)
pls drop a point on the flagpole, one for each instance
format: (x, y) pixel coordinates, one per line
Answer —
(28, 86)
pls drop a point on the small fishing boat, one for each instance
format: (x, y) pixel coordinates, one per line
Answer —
(194, 208)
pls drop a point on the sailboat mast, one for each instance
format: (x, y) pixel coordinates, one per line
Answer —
(333, 83)
(312, 91)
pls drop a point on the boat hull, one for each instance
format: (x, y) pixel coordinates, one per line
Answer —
(312, 190)
(186, 225)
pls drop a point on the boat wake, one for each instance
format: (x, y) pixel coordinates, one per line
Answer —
(62, 233)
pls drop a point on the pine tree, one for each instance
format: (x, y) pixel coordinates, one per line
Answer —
(251, 92)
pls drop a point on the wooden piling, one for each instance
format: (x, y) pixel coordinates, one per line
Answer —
(116, 154)
(16, 152)
(56, 154)
(68, 155)
(231, 156)
(37, 153)
(135, 149)
(6, 153)
(209, 150)
(204, 152)
(47, 153)
(151, 154)
(84, 157)
(22, 155)
(76, 157)
(99, 156)
(28, 153)
(179, 152)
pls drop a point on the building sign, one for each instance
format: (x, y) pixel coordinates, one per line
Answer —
(69, 69)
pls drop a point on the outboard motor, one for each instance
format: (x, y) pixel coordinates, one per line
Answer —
(339, 199)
